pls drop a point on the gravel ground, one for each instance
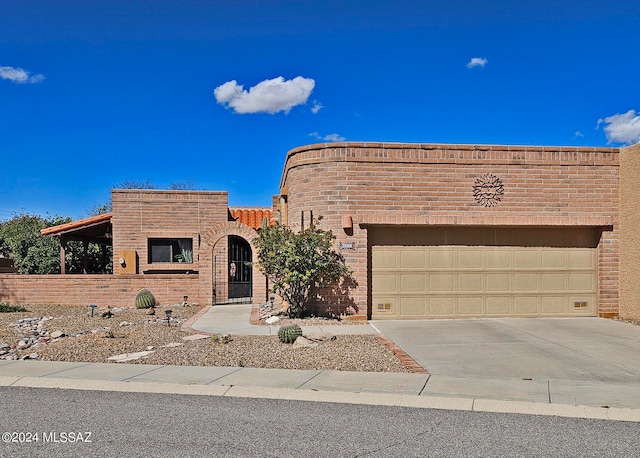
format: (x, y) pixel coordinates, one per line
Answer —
(96, 339)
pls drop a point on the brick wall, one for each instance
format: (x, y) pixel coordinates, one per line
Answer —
(407, 184)
(140, 214)
(199, 215)
(101, 290)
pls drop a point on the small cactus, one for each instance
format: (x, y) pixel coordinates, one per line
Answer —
(289, 333)
(144, 299)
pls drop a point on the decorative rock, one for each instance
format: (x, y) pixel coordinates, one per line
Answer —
(125, 323)
(123, 358)
(320, 336)
(302, 342)
(150, 347)
(151, 311)
(31, 356)
(23, 345)
(57, 334)
(107, 313)
(195, 337)
(272, 320)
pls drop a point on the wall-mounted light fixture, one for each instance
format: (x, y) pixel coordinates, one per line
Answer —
(347, 225)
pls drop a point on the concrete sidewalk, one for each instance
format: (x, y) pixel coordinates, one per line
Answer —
(402, 390)
(442, 391)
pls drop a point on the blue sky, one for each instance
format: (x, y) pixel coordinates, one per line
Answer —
(93, 93)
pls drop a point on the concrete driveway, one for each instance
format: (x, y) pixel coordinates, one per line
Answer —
(580, 361)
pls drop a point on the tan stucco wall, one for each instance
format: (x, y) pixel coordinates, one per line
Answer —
(630, 232)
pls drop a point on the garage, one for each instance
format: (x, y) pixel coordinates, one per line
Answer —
(464, 272)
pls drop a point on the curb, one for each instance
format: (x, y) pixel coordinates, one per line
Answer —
(254, 318)
(406, 360)
(336, 397)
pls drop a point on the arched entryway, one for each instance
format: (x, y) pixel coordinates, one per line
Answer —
(240, 270)
(231, 248)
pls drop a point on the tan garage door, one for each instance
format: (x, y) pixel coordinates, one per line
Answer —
(417, 282)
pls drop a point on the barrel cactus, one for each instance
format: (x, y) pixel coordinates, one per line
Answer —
(289, 333)
(144, 299)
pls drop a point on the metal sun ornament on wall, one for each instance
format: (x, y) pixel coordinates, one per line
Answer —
(488, 190)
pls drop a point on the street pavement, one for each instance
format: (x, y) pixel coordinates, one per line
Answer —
(576, 367)
(121, 424)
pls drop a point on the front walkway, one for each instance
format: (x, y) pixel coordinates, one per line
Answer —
(234, 319)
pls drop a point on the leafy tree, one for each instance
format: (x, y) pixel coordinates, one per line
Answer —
(32, 253)
(299, 262)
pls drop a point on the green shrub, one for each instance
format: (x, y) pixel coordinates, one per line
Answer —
(289, 333)
(144, 299)
(9, 308)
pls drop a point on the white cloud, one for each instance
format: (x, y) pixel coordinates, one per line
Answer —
(317, 106)
(328, 138)
(578, 134)
(19, 75)
(268, 96)
(622, 127)
(477, 62)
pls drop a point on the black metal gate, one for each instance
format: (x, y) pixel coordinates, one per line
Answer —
(240, 279)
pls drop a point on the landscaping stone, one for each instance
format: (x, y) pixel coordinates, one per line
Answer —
(272, 320)
(320, 336)
(303, 342)
(195, 337)
(123, 358)
(57, 334)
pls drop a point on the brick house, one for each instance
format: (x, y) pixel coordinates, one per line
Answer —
(175, 243)
(444, 231)
(430, 231)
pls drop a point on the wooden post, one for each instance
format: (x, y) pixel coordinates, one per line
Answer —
(63, 244)
(85, 258)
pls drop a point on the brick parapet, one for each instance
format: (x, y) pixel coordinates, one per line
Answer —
(448, 154)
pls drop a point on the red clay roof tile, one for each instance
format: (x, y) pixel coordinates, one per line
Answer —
(253, 217)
